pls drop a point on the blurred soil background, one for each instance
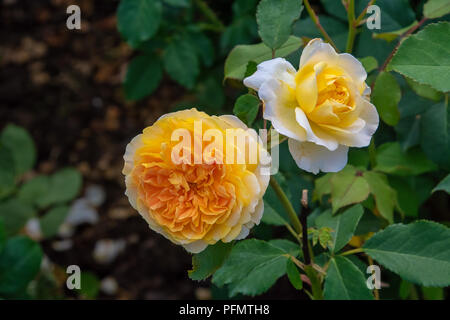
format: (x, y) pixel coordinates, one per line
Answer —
(64, 87)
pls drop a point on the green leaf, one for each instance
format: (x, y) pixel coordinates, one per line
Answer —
(423, 185)
(366, 45)
(7, 170)
(270, 216)
(435, 134)
(436, 8)
(205, 263)
(20, 261)
(275, 18)
(418, 252)
(294, 275)
(14, 215)
(385, 196)
(34, 189)
(392, 35)
(408, 131)
(444, 185)
(343, 225)
(143, 76)
(251, 68)
(369, 63)
(392, 159)
(337, 9)
(413, 105)
(64, 186)
(348, 187)
(368, 223)
(51, 221)
(246, 108)
(336, 29)
(386, 96)
(407, 198)
(138, 20)
(178, 3)
(203, 47)
(286, 245)
(322, 186)
(395, 14)
(358, 158)
(2, 235)
(22, 147)
(425, 57)
(344, 281)
(181, 62)
(242, 30)
(90, 285)
(424, 90)
(237, 60)
(210, 95)
(252, 267)
(430, 293)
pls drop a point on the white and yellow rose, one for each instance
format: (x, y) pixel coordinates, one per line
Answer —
(323, 108)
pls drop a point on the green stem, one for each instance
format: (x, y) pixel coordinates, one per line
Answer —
(293, 233)
(315, 282)
(315, 19)
(209, 13)
(351, 26)
(372, 153)
(353, 251)
(287, 205)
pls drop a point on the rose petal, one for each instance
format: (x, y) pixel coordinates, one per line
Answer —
(318, 136)
(277, 68)
(279, 108)
(314, 158)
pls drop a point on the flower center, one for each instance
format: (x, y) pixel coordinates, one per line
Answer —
(187, 199)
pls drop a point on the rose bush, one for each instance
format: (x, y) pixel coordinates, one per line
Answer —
(370, 124)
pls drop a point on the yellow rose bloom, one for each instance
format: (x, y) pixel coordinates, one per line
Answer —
(323, 108)
(195, 200)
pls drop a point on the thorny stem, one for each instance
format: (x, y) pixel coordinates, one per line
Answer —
(304, 222)
(307, 250)
(286, 204)
(315, 18)
(351, 26)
